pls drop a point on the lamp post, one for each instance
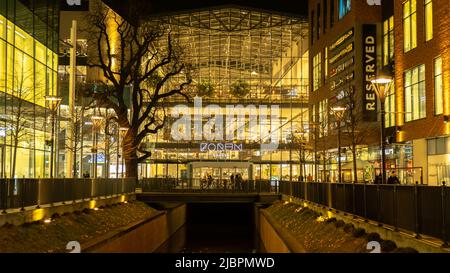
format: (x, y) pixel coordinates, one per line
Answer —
(314, 125)
(96, 123)
(382, 85)
(338, 112)
(53, 103)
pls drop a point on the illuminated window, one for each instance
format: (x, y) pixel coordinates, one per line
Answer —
(2, 27)
(323, 117)
(438, 88)
(414, 83)
(428, 20)
(317, 71)
(326, 62)
(344, 7)
(409, 25)
(388, 41)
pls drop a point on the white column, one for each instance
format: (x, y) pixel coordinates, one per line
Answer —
(72, 80)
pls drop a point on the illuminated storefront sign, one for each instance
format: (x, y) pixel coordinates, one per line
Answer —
(205, 147)
(341, 81)
(339, 68)
(344, 52)
(341, 40)
(369, 71)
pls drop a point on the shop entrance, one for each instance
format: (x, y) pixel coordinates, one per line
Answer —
(220, 172)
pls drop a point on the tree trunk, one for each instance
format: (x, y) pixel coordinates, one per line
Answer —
(13, 171)
(130, 154)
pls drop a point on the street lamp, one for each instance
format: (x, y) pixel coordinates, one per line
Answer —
(338, 112)
(53, 103)
(382, 84)
(96, 123)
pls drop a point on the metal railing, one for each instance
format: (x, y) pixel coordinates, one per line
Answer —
(21, 193)
(416, 208)
(200, 185)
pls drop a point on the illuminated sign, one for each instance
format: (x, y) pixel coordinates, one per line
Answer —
(221, 147)
(369, 71)
(348, 49)
(341, 40)
(339, 68)
(341, 81)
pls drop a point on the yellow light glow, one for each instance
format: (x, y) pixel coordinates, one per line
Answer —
(401, 136)
(330, 214)
(122, 198)
(320, 219)
(48, 221)
(92, 204)
(305, 204)
(96, 209)
(38, 214)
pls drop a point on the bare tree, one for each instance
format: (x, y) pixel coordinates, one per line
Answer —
(77, 133)
(22, 93)
(128, 58)
(357, 129)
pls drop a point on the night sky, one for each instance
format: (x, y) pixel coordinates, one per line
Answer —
(151, 7)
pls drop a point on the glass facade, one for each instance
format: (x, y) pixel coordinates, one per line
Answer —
(239, 57)
(28, 72)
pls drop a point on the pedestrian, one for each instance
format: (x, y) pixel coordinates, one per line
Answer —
(239, 182)
(210, 181)
(378, 179)
(310, 178)
(393, 179)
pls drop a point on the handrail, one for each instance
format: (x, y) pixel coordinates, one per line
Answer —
(19, 193)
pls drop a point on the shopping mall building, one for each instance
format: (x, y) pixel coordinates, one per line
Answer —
(28, 72)
(265, 75)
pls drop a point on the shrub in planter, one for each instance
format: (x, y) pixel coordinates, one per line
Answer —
(339, 223)
(240, 89)
(331, 220)
(358, 232)
(205, 89)
(373, 237)
(387, 246)
(86, 210)
(348, 227)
